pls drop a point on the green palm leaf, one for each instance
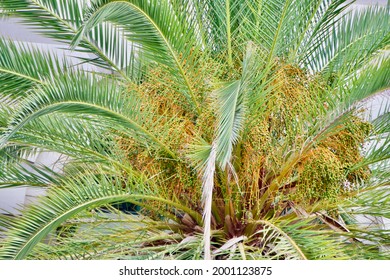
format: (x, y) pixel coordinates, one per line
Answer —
(367, 34)
(61, 20)
(231, 106)
(81, 95)
(162, 36)
(15, 78)
(62, 204)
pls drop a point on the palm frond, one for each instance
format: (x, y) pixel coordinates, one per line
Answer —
(52, 18)
(115, 235)
(162, 36)
(60, 20)
(298, 240)
(81, 94)
(27, 174)
(220, 24)
(371, 81)
(207, 197)
(62, 204)
(22, 67)
(320, 18)
(368, 32)
(231, 106)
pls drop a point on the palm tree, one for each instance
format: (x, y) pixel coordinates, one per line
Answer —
(238, 129)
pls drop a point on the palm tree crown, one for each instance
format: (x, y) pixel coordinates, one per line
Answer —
(238, 129)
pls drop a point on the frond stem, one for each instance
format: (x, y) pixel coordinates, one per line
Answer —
(285, 235)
